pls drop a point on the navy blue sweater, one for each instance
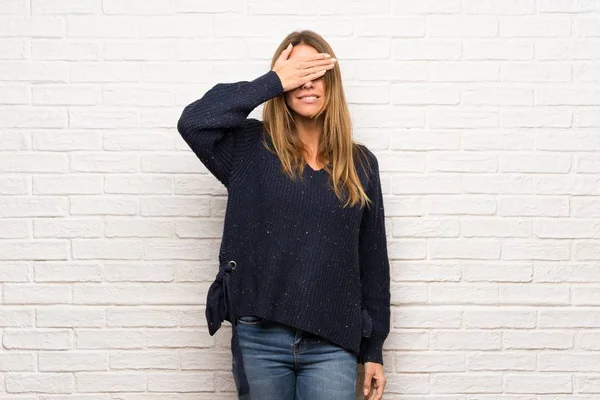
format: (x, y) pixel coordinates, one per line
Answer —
(295, 254)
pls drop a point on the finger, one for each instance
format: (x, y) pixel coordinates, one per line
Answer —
(373, 394)
(286, 52)
(315, 71)
(376, 390)
(367, 382)
(380, 386)
(307, 61)
(311, 77)
(318, 63)
(315, 56)
(379, 392)
(369, 395)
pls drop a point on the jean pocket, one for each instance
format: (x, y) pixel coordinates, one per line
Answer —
(249, 320)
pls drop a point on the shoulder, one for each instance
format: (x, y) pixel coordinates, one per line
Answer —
(365, 159)
(364, 152)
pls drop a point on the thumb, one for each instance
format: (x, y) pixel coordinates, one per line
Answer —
(286, 52)
(367, 383)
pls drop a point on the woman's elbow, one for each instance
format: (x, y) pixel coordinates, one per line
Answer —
(185, 123)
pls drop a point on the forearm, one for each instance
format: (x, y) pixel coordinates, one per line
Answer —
(375, 271)
(227, 105)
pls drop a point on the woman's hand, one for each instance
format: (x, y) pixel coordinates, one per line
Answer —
(374, 381)
(295, 72)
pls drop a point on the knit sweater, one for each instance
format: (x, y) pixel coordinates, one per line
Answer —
(298, 257)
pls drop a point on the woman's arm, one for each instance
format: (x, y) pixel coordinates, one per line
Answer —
(215, 126)
(374, 270)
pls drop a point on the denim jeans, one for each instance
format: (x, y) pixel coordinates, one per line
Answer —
(285, 363)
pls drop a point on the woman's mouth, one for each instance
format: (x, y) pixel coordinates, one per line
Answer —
(308, 99)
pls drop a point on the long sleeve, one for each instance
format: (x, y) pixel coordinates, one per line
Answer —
(374, 271)
(216, 126)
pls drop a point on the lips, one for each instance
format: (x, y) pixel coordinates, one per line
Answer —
(309, 99)
(308, 95)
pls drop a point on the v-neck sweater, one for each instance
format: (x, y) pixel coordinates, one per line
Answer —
(293, 254)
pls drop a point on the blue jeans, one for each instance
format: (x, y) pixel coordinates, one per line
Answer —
(285, 363)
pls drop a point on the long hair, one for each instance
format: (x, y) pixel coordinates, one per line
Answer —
(337, 151)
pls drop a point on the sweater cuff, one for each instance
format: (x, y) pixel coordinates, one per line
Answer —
(268, 86)
(371, 350)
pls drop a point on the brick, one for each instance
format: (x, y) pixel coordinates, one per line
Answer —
(108, 249)
(537, 340)
(14, 228)
(494, 318)
(187, 381)
(39, 339)
(103, 205)
(71, 271)
(52, 228)
(497, 273)
(500, 361)
(13, 49)
(34, 250)
(14, 7)
(65, 7)
(425, 317)
(134, 317)
(43, 27)
(39, 383)
(430, 362)
(71, 316)
(452, 293)
(65, 95)
(462, 26)
(139, 228)
(88, 382)
(103, 338)
(62, 361)
(67, 184)
(100, 27)
(138, 184)
(537, 383)
(163, 360)
(24, 293)
(17, 362)
(15, 317)
(467, 383)
(507, 7)
(65, 50)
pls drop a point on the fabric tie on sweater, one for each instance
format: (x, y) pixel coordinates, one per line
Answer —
(218, 309)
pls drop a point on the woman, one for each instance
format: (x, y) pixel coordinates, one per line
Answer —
(304, 272)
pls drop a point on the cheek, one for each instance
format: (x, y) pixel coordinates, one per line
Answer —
(322, 86)
(288, 100)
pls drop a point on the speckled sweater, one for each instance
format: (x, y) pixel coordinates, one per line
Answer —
(295, 254)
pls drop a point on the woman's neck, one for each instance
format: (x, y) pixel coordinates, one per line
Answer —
(309, 132)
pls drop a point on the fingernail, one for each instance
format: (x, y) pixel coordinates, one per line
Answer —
(366, 391)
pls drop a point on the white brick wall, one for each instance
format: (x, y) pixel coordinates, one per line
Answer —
(484, 114)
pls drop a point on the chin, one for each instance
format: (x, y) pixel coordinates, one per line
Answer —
(307, 115)
(307, 112)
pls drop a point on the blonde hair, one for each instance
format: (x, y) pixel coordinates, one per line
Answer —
(336, 145)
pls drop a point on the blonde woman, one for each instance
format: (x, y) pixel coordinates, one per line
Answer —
(304, 271)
